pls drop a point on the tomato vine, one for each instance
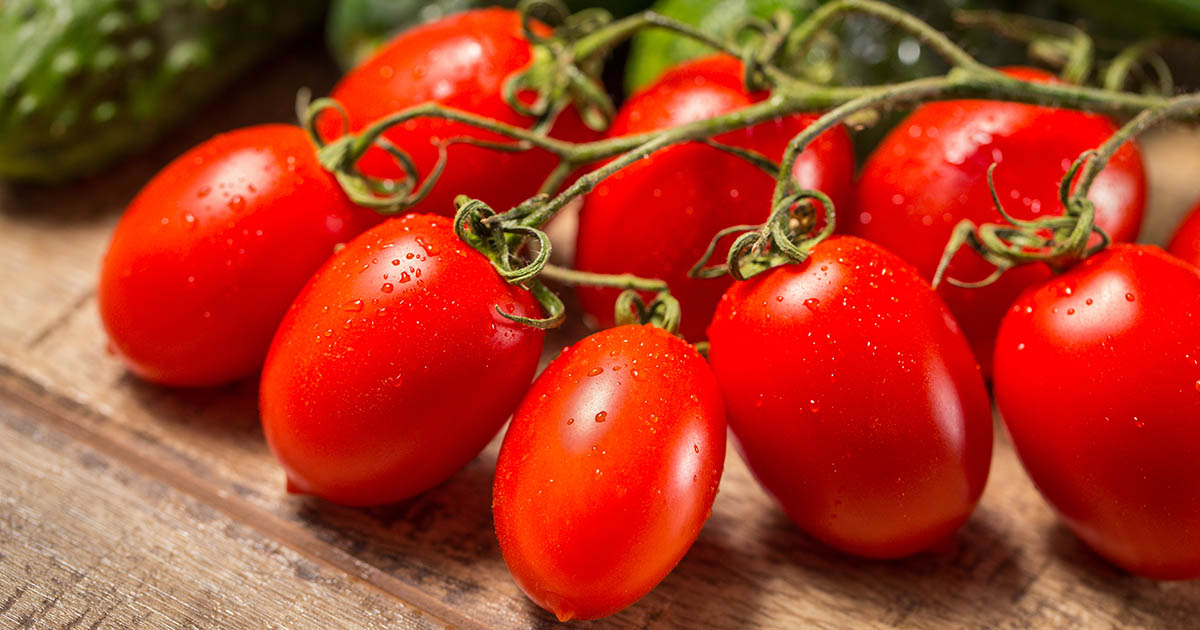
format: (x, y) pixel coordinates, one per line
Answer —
(564, 72)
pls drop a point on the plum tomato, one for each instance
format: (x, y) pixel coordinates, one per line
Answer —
(1186, 242)
(656, 217)
(393, 368)
(208, 256)
(929, 173)
(609, 470)
(1097, 377)
(461, 61)
(854, 398)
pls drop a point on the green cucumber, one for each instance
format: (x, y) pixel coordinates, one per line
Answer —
(84, 82)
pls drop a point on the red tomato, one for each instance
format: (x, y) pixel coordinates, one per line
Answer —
(608, 470)
(393, 369)
(929, 173)
(1098, 379)
(210, 253)
(656, 217)
(461, 61)
(854, 398)
(1186, 242)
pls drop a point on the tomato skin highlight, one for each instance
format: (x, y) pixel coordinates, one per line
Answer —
(208, 256)
(655, 217)
(929, 173)
(393, 369)
(1097, 377)
(854, 399)
(608, 470)
(461, 61)
(1185, 244)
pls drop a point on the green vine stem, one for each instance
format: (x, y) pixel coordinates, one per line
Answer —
(663, 311)
(1065, 45)
(789, 232)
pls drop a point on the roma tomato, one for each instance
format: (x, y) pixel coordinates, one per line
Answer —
(393, 369)
(1097, 377)
(929, 173)
(1186, 242)
(461, 61)
(207, 257)
(656, 217)
(608, 470)
(854, 398)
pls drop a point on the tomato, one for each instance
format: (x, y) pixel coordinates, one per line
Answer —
(608, 470)
(393, 369)
(1097, 377)
(461, 61)
(854, 398)
(656, 217)
(209, 255)
(1186, 242)
(929, 173)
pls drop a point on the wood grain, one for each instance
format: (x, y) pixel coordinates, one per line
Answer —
(164, 508)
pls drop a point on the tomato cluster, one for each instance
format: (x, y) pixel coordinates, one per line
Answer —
(849, 385)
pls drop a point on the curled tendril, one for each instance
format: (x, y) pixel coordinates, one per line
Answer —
(788, 236)
(663, 311)
(341, 155)
(556, 76)
(1058, 241)
(502, 244)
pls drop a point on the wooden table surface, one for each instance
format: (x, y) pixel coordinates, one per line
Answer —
(125, 505)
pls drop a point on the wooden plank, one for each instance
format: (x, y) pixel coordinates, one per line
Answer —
(87, 541)
(1011, 566)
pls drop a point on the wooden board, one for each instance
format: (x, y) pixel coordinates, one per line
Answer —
(127, 505)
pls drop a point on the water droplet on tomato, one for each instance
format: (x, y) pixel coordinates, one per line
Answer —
(353, 306)
(387, 287)
(203, 192)
(237, 203)
(1129, 297)
(570, 420)
(602, 416)
(595, 371)
(1138, 422)
(425, 245)
(811, 304)
(404, 277)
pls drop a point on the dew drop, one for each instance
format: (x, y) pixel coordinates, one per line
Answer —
(353, 306)
(387, 287)
(811, 304)
(595, 371)
(602, 416)
(1129, 297)
(570, 420)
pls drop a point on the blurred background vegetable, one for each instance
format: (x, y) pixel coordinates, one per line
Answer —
(83, 82)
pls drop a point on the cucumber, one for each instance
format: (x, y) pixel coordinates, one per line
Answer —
(84, 82)
(357, 27)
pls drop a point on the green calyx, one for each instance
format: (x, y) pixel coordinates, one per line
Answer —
(790, 233)
(663, 311)
(505, 244)
(1059, 241)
